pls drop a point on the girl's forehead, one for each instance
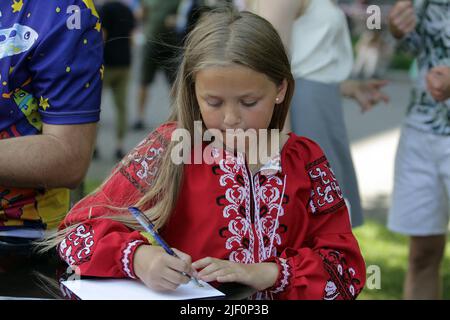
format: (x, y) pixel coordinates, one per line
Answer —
(236, 76)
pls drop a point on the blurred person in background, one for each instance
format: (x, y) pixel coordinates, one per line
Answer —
(373, 54)
(420, 200)
(375, 47)
(190, 11)
(118, 23)
(159, 22)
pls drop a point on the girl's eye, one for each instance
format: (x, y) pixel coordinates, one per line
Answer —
(214, 103)
(249, 103)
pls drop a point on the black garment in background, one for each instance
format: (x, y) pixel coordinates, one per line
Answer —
(118, 22)
(198, 8)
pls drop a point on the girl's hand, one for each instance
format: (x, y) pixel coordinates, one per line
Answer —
(366, 93)
(258, 275)
(438, 83)
(159, 270)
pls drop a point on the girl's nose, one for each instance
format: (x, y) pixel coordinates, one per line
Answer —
(232, 117)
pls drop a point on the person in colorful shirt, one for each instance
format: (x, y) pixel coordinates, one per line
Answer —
(420, 204)
(50, 90)
(280, 226)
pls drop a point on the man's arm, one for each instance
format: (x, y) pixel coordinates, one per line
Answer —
(58, 158)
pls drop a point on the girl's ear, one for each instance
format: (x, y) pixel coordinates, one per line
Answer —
(281, 92)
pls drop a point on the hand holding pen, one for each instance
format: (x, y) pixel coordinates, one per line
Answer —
(160, 270)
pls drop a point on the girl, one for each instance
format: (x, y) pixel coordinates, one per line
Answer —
(285, 232)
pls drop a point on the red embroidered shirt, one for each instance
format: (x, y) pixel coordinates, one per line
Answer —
(295, 216)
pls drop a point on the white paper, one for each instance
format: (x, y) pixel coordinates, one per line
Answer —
(128, 289)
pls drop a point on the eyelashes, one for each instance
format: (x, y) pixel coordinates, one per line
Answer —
(219, 103)
(249, 104)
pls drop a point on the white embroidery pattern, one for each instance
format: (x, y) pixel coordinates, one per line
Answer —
(269, 196)
(285, 273)
(142, 159)
(324, 191)
(238, 196)
(126, 263)
(145, 161)
(342, 277)
(331, 291)
(76, 247)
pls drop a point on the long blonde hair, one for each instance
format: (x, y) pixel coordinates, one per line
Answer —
(222, 37)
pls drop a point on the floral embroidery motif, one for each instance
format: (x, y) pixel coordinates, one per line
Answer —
(270, 210)
(238, 197)
(343, 282)
(253, 220)
(326, 195)
(126, 262)
(76, 247)
(140, 165)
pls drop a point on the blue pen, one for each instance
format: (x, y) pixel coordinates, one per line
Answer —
(150, 228)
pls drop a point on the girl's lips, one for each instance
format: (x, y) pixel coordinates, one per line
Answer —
(231, 130)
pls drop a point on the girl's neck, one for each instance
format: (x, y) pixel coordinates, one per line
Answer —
(264, 148)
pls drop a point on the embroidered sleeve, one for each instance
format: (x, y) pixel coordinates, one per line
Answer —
(104, 247)
(129, 180)
(101, 248)
(330, 268)
(284, 275)
(326, 195)
(140, 166)
(344, 282)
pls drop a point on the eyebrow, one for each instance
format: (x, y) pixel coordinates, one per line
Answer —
(247, 95)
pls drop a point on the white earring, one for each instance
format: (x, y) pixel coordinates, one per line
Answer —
(277, 100)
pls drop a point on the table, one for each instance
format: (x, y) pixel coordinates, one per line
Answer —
(31, 276)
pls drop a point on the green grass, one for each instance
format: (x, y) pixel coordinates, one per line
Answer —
(91, 185)
(401, 61)
(389, 251)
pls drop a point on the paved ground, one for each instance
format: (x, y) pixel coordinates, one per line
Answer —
(374, 136)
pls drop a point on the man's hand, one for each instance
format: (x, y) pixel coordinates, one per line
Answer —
(402, 19)
(438, 83)
(366, 93)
